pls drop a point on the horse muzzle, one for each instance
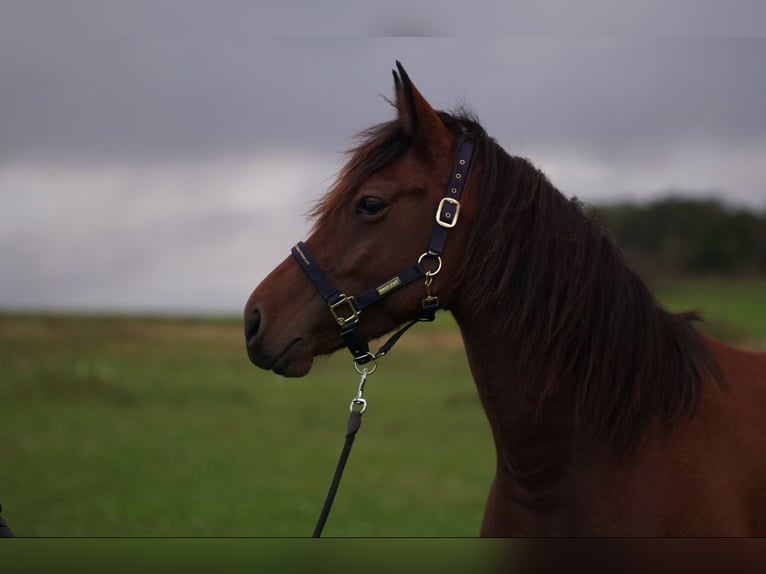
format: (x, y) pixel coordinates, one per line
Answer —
(291, 358)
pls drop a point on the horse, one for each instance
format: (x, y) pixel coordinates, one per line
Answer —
(610, 415)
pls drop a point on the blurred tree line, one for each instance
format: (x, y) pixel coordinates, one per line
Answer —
(679, 236)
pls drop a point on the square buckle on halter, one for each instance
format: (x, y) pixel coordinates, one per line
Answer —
(445, 216)
(352, 318)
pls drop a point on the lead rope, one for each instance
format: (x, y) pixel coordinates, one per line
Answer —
(430, 305)
(358, 406)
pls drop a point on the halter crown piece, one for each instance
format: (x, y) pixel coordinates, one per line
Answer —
(346, 309)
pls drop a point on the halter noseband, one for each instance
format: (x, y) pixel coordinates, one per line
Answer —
(346, 310)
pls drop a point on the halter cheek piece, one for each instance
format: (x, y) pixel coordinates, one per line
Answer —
(346, 310)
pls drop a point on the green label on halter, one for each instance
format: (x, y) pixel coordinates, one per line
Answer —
(389, 285)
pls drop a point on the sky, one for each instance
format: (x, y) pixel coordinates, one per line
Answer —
(161, 156)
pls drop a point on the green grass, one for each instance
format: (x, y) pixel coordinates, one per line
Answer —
(162, 427)
(155, 427)
(733, 310)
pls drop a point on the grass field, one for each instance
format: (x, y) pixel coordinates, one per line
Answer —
(733, 310)
(155, 427)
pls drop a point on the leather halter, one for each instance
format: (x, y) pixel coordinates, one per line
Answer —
(346, 310)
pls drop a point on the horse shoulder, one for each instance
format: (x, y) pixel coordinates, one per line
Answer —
(726, 441)
(707, 476)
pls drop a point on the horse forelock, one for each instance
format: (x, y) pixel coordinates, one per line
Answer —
(376, 148)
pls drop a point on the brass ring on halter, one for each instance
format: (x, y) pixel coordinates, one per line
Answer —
(366, 369)
(438, 259)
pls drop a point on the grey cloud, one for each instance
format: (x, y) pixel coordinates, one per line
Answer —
(158, 81)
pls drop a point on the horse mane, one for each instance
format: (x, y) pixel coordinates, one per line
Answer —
(574, 312)
(580, 321)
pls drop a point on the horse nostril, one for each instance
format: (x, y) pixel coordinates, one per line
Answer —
(252, 325)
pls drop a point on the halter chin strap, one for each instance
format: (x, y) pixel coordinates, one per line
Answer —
(346, 310)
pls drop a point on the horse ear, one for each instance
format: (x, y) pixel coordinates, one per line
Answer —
(420, 120)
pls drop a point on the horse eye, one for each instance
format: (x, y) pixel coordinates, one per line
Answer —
(370, 206)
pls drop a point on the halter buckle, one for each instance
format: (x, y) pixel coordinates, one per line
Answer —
(352, 318)
(445, 216)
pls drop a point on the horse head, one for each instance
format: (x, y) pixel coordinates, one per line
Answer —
(374, 222)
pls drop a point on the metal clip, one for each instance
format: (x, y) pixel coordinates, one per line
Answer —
(359, 399)
(430, 298)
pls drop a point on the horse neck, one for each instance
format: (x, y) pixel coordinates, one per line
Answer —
(534, 438)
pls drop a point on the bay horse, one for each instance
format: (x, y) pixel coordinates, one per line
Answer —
(611, 416)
